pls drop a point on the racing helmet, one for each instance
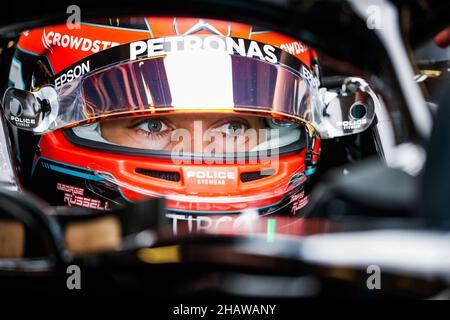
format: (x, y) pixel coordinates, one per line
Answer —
(215, 116)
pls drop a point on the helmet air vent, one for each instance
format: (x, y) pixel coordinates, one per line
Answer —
(165, 175)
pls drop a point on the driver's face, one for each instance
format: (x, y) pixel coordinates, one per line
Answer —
(157, 132)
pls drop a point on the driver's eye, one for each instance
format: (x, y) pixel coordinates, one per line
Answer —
(153, 126)
(235, 128)
(231, 128)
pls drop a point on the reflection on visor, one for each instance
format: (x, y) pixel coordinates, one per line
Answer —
(195, 81)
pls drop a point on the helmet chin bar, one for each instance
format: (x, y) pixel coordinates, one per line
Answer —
(282, 189)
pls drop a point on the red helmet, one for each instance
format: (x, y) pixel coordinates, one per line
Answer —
(215, 116)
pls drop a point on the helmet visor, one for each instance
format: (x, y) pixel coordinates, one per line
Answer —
(201, 81)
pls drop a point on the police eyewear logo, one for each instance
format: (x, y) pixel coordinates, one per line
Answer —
(23, 122)
(16, 115)
(210, 177)
(352, 124)
(214, 43)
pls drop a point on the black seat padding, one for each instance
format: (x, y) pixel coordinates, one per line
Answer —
(372, 189)
(435, 186)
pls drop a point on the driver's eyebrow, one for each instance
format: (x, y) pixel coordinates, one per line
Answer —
(131, 122)
(225, 120)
